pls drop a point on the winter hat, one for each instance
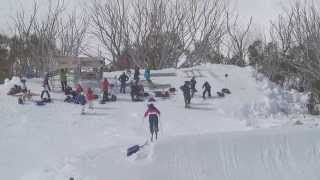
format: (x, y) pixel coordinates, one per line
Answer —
(151, 99)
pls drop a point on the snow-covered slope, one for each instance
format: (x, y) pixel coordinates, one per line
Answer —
(55, 142)
(267, 154)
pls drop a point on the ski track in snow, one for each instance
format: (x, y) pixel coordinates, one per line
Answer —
(55, 142)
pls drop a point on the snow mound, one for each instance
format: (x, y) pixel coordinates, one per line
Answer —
(275, 101)
(10, 82)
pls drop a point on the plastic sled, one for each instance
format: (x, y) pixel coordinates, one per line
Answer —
(40, 103)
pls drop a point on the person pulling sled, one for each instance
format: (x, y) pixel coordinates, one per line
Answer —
(153, 113)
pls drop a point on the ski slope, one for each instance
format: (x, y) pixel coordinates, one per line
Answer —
(249, 134)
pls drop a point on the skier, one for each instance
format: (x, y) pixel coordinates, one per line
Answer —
(123, 79)
(46, 81)
(104, 85)
(90, 97)
(147, 74)
(207, 89)
(63, 79)
(153, 113)
(186, 93)
(136, 74)
(193, 83)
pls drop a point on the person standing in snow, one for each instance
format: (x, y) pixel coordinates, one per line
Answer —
(104, 85)
(90, 97)
(207, 89)
(123, 80)
(136, 74)
(63, 79)
(153, 113)
(46, 81)
(77, 93)
(24, 85)
(147, 74)
(82, 101)
(186, 93)
(45, 95)
(193, 83)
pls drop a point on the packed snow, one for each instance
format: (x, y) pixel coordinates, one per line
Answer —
(250, 134)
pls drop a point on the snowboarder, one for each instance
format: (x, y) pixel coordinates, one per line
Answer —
(153, 113)
(207, 89)
(193, 83)
(104, 85)
(63, 79)
(46, 81)
(123, 80)
(136, 74)
(186, 93)
(90, 97)
(147, 74)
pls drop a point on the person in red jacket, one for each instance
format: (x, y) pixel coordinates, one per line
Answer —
(78, 89)
(104, 85)
(153, 113)
(90, 97)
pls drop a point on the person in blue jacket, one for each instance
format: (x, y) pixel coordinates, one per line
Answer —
(147, 74)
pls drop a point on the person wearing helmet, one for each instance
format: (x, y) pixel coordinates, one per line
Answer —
(153, 113)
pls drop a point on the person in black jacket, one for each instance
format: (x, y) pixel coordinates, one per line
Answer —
(136, 74)
(207, 89)
(186, 89)
(123, 80)
(46, 81)
(45, 95)
(193, 83)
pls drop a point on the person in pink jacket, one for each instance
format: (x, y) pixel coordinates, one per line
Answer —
(90, 97)
(153, 113)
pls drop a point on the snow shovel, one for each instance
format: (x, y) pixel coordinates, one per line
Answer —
(134, 149)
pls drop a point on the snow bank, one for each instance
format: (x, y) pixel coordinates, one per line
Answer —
(275, 101)
(10, 82)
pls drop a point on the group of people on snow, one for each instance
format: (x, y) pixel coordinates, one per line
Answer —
(189, 89)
